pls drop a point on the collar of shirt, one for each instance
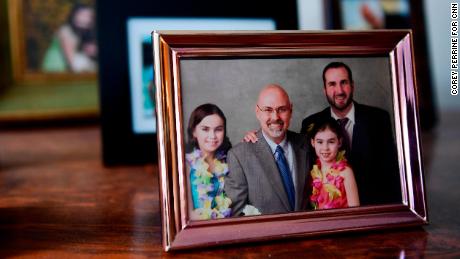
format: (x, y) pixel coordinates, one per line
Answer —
(288, 154)
(273, 145)
(350, 115)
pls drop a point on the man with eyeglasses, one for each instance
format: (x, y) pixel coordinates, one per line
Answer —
(269, 176)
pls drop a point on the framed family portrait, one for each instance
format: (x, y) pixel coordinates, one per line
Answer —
(53, 40)
(309, 172)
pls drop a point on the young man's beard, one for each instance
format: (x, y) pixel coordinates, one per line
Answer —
(340, 108)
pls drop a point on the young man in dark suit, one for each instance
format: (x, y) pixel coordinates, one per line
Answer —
(368, 137)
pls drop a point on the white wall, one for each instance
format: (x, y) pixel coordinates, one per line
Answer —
(310, 14)
(437, 15)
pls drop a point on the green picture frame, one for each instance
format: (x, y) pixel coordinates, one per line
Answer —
(33, 27)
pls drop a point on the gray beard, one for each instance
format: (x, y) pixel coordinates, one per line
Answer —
(275, 132)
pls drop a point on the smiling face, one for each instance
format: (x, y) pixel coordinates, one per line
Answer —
(338, 89)
(274, 110)
(209, 134)
(326, 145)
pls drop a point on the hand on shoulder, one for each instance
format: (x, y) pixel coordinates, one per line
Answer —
(250, 136)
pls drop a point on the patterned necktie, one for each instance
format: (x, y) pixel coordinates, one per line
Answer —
(285, 175)
(346, 138)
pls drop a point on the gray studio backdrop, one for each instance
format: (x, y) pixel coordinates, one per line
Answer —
(234, 84)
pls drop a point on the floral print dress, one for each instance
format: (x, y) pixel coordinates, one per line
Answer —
(328, 190)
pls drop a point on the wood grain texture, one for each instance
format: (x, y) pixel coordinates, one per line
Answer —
(58, 201)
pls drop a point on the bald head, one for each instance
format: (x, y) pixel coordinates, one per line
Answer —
(274, 110)
(273, 91)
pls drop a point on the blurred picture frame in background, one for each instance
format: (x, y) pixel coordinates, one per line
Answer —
(53, 40)
(191, 70)
(141, 59)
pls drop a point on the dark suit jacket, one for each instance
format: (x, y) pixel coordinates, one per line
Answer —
(373, 154)
(254, 178)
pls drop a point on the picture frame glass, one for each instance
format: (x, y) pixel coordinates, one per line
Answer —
(221, 82)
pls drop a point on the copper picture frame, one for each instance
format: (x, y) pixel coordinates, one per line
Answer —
(178, 55)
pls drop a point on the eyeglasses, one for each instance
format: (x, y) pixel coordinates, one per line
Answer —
(269, 110)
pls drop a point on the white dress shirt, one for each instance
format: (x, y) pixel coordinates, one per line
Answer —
(350, 123)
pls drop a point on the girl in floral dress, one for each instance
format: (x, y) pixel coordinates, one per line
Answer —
(206, 163)
(333, 181)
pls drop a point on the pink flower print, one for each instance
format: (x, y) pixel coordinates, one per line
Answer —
(313, 197)
(317, 183)
(338, 181)
(332, 205)
(320, 199)
(328, 206)
(339, 165)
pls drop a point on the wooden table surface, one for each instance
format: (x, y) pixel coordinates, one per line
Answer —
(58, 201)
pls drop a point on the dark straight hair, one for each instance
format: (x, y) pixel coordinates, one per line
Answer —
(337, 65)
(327, 123)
